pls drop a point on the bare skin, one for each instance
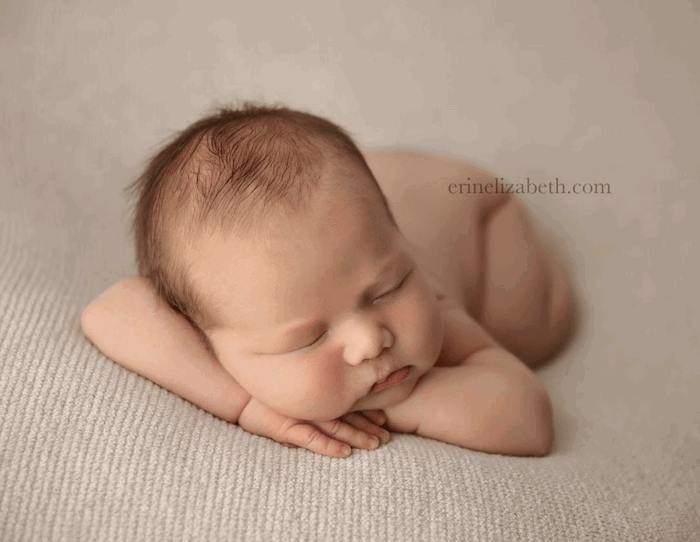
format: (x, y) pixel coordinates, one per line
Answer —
(496, 295)
(482, 251)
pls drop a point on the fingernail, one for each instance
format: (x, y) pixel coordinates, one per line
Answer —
(386, 436)
(373, 442)
(345, 450)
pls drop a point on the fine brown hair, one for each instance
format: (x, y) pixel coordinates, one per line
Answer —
(224, 172)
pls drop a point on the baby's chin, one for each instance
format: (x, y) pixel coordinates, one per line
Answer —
(368, 402)
(319, 413)
(378, 400)
(388, 397)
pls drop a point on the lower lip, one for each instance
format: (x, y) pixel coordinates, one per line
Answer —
(392, 380)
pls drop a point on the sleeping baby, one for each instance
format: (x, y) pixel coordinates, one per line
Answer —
(321, 298)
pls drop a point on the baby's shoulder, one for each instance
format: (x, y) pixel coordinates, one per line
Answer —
(430, 195)
(405, 169)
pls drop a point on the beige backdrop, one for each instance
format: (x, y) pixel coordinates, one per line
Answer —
(577, 91)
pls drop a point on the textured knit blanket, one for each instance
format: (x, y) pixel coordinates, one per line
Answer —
(92, 452)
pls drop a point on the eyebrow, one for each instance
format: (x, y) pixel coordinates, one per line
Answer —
(306, 328)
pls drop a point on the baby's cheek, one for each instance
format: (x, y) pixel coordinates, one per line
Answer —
(322, 390)
(231, 360)
(424, 326)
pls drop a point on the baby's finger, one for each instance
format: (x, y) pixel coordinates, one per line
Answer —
(313, 439)
(346, 432)
(360, 421)
(376, 416)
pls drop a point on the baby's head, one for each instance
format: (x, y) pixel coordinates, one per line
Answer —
(266, 228)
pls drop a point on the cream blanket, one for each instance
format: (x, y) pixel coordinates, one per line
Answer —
(89, 451)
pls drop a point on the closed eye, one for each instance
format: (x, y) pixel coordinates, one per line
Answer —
(314, 342)
(395, 288)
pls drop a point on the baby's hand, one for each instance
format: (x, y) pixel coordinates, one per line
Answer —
(333, 438)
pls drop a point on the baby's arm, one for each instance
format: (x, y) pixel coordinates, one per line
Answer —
(130, 324)
(480, 396)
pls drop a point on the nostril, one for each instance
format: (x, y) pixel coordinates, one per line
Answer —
(383, 352)
(387, 338)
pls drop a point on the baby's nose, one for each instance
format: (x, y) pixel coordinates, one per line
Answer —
(367, 342)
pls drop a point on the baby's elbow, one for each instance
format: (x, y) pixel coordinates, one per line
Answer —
(98, 327)
(88, 321)
(542, 424)
(537, 431)
(524, 424)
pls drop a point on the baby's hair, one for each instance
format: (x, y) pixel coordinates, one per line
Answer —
(223, 173)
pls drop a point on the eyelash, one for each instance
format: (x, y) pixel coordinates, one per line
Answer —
(315, 341)
(394, 290)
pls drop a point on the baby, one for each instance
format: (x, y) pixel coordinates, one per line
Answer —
(319, 297)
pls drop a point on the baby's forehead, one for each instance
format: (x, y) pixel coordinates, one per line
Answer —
(293, 267)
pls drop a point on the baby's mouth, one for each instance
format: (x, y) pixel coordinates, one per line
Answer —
(392, 380)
